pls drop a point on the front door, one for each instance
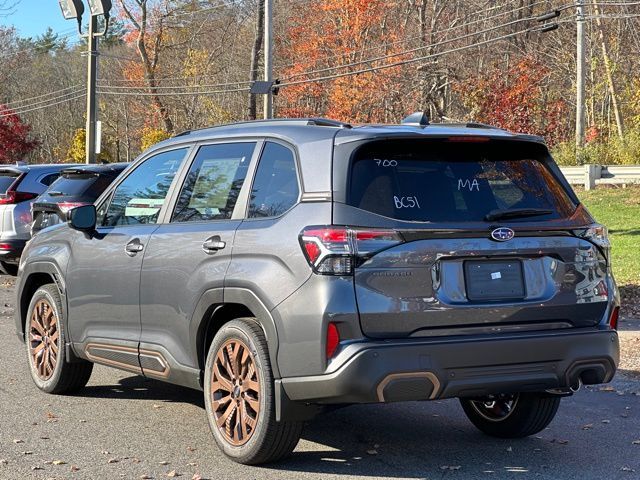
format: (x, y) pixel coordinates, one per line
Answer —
(103, 276)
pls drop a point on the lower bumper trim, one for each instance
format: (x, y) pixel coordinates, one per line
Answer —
(468, 368)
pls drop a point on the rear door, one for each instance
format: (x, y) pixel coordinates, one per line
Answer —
(485, 243)
(190, 253)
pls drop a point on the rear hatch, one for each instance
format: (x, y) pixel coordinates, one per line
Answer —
(486, 237)
(75, 187)
(10, 178)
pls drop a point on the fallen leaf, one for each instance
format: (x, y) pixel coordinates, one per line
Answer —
(113, 460)
(36, 467)
(157, 406)
(192, 464)
(562, 442)
(18, 441)
(191, 449)
(74, 468)
(509, 449)
(450, 467)
(196, 476)
(145, 477)
(372, 452)
(44, 438)
(607, 388)
(164, 462)
(173, 474)
(3, 461)
(27, 453)
(135, 460)
(588, 426)
(627, 469)
(59, 462)
(636, 442)
(606, 421)
(106, 452)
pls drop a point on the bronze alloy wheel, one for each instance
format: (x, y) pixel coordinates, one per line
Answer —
(235, 392)
(498, 409)
(44, 339)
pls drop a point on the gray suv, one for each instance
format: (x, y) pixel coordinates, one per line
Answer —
(291, 266)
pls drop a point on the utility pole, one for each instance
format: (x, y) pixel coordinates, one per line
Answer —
(268, 56)
(581, 72)
(92, 75)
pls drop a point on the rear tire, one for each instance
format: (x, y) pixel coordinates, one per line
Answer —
(10, 269)
(45, 338)
(516, 416)
(240, 397)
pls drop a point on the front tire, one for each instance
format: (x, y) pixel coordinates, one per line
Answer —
(240, 397)
(512, 416)
(45, 337)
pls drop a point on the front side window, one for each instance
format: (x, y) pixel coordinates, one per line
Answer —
(213, 184)
(275, 188)
(140, 196)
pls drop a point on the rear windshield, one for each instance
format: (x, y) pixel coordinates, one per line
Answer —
(88, 187)
(6, 180)
(440, 181)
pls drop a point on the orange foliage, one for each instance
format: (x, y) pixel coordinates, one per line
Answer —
(333, 33)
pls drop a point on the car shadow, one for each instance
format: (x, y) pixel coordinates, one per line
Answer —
(137, 387)
(403, 440)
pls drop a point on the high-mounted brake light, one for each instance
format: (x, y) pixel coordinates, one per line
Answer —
(336, 250)
(467, 139)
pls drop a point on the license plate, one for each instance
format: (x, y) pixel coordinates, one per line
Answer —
(494, 280)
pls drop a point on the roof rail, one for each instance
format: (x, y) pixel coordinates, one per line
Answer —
(318, 122)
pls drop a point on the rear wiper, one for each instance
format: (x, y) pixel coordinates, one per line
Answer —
(54, 193)
(516, 213)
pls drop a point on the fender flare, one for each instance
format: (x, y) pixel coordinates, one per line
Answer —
(240, 296)
(27, 272)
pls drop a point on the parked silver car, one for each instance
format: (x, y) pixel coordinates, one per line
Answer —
(19, 187)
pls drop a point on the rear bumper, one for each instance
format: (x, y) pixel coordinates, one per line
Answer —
(462, 367)
(11, 250)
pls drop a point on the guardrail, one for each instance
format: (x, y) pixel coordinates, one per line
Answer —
(592, 175)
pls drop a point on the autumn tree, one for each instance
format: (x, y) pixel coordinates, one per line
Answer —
(15, 143)
(518, 99)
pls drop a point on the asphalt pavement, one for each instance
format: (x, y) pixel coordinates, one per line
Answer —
(124, 426)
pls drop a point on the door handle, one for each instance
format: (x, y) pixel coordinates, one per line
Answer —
(133, 247)
(213, 244)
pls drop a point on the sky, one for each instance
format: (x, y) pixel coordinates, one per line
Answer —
(32, 17)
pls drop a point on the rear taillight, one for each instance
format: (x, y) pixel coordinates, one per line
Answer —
(13, 197)
(333, 340)
(337, 250)
(613, 318)
(66, 206)
(597, 234)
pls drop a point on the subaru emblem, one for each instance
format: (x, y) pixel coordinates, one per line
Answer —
(502, 234)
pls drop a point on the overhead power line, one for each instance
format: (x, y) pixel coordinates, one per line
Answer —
(20, 112)
(26, 100)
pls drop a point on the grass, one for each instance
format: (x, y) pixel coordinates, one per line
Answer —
(619, 209)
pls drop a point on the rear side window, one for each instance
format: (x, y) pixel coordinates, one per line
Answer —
(213, 184)
(49, 179)
(6, 180)
(439, 181)
(275, 187)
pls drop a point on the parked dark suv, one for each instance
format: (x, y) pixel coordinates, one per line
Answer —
(288, 266)
(76, 186)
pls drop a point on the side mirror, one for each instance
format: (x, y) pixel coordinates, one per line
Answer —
(82, 218)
